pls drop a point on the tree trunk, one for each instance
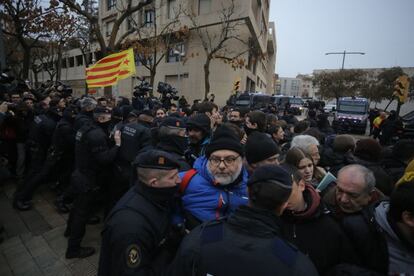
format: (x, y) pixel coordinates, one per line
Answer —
(26, 62)
(207, 77)
(59, 63)
(108, 92)
(152, 80)
(36, 79)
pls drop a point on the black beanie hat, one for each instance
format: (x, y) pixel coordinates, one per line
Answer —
(271, 173)
(259, 147)
(199, 121)
(224, 139)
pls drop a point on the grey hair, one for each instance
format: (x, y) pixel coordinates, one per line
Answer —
(369, 178)
(303, 142)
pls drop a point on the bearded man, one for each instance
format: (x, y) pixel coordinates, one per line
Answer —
(216, 185)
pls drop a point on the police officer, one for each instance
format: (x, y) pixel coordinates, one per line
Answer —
(87, 105)
(40, 138)
(249, 241)
(64, 146)
(173, 139)
(134, 240)
(92, 155)
(134, 138)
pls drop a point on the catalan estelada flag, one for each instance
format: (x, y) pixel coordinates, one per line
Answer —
(110, 69)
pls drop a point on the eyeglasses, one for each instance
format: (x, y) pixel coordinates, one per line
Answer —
(228, 161)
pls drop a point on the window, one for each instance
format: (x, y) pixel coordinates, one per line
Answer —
(149, 16)
(111, 4)
(79, 60)
(109, 26)
(72, 62)
(204, 6)
(254, 65)
(171, 6)
(63, 62)
(175, 57)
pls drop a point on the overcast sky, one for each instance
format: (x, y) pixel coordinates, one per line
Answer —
(307, 29)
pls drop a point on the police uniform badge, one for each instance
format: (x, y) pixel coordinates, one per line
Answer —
(133, 256)
(161, 160)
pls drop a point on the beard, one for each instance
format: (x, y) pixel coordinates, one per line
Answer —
(226, 178)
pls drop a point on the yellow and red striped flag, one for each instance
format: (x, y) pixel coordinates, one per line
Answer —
(110, 69)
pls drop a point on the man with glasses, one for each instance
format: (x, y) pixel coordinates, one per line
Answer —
(216, 185)
(250, 240)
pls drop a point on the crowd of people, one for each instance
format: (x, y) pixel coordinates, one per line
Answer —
(199, 190)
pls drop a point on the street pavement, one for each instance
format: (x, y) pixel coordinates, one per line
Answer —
(33, 240)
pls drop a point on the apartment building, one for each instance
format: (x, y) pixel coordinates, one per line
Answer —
(183, 61)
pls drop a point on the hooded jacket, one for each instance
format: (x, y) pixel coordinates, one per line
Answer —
(400, 256)
(317, 234)
(205, 200)
(247, 243)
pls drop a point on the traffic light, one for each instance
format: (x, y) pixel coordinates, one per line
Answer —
(401, 88)
(236, 85)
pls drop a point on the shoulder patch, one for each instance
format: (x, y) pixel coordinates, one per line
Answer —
(133, 256)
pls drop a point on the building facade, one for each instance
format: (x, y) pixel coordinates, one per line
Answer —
(183, 61)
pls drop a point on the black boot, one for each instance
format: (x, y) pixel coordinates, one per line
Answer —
(81, 253)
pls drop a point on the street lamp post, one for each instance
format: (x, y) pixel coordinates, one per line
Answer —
(344, 53)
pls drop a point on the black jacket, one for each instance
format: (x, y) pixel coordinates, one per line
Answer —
(134, 235)
(248, 243)
(92, 155)
(334, 161)
(383, 181)
(42, 129)
(64, 137)
(366, 237)
(317, 234)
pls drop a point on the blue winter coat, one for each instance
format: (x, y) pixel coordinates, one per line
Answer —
(207, 201)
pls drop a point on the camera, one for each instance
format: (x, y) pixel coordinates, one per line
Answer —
(142, 89)
(64, 89)
(166, 90)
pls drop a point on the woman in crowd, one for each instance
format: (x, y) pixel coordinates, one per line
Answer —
(303, 162)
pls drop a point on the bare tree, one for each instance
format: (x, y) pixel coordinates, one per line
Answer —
(26, 23)
(112, 43)
(153, 40)
(219, 40)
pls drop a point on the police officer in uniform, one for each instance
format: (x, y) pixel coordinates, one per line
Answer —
(249, 241)
(173, 139)
(135, 138)
(40, 138)
(92, 155)
(135, 236)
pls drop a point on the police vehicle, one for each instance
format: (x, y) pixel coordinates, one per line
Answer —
(252, 101)
(351, 115)
(295, 104)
